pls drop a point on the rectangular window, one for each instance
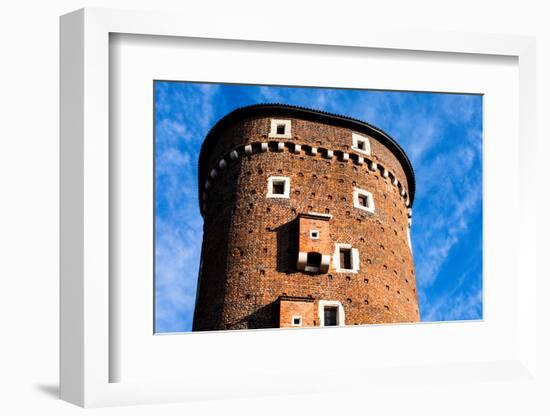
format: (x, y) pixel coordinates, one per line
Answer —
(278, 187)
(360, 143)
(345, 258)
(331, 315)
(363, 200)
(296, 321)
(280, 129)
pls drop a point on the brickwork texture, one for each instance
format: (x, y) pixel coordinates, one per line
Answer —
(249, 275)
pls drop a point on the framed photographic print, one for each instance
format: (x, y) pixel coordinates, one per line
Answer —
(251, 216)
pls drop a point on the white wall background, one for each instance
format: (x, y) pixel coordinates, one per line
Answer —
(29, 205)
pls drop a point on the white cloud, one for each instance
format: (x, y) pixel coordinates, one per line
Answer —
(172, 131)
(448, 182)
(448, 198)
(459, 108)
(188, 115)
(269, 95)
(171, 158)
(460, 303)
(177, 254)
(455, 204)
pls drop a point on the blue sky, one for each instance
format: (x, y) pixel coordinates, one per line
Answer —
(441, 133)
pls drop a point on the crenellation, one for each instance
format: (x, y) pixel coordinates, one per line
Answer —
(280, 146)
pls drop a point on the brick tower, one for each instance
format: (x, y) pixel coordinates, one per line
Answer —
(306, 222)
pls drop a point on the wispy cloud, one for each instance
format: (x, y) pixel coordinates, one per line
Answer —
(183, 116)
(461, 302)
(460, 109)
(436, 235)
(269, 95)
(176, 257)
(441, 133)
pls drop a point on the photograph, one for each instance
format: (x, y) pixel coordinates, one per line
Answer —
(205, 200)
(299, 207)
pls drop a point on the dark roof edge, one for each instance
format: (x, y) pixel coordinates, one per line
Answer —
(276, 109)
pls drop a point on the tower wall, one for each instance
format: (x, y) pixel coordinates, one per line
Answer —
(251, 244)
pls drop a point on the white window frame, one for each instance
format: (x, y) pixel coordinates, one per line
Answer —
(355, 263)
(361, 192)
(341, 316)
(296, 317)
(286, 181)
(311, 234)
(355, 139)
(277, 122)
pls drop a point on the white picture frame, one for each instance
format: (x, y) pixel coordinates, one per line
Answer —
(87, 324)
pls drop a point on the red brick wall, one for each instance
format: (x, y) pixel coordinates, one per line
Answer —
(306, 244)
(290, 308)
(250, 242)
(307, 133)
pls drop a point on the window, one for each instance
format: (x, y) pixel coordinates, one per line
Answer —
(363, 200)
(346, 258)
(296, 320)
(280, 129)
(331, 313)
(360, 143)
(278, 187)
(314, 234)
(313, 262)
